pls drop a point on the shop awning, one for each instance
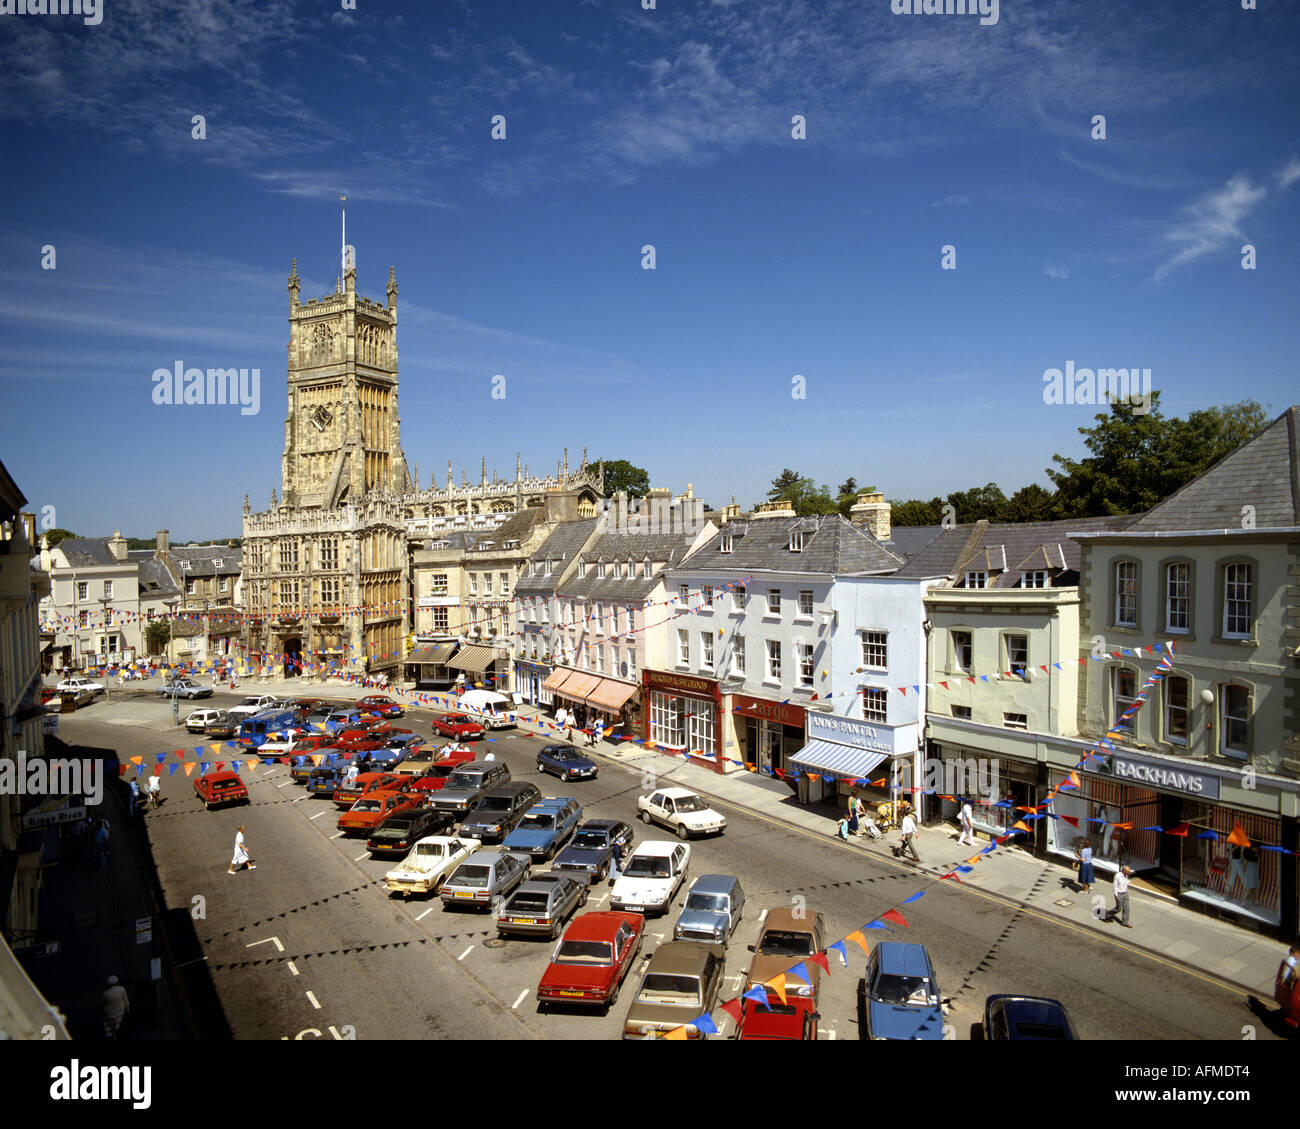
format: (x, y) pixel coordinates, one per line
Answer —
(556, 679)
(473, 659)
(439, 653)
(610, 694)
(578, 686)
(837, 759)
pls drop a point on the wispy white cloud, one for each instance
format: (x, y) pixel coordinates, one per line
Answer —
(1207, 225)
(1054, 271)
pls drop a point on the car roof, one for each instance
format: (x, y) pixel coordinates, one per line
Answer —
(599, 925)
(1029, 1009)
(599, 824)
(491, 858)
(680, 956)
(554, 802)
(715, 884)
(676, 793)
(513, 788)
(655, 847)
(539, 883)
(223, 775)
(785, 920)
(903, 958)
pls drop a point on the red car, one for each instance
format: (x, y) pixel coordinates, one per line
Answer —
(592, 959)
(368, 782)
(378, 704)
(375, 807)
(795, 1019)
(457, 725)
(217, 788)
(435, 776)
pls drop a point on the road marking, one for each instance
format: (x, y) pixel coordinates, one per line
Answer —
(425, 914)
(830, 1034)
(740, 981)
(658, 936)
(519, 1000)
(466, 953)
(279, 946)
(293, 968)
(285, 784)
(362, 855)
(317, 815)
(314, 1002)
(339, 835)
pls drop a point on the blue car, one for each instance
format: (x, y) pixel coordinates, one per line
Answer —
(900, 997)
(323, 781)
(566, 762)
(546, 827)
(591, 850)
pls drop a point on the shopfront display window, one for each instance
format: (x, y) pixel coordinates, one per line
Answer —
(1079, 810)
(1232, 875)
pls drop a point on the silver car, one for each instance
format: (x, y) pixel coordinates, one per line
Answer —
(714, 907)
(540, 906)
(482, 878)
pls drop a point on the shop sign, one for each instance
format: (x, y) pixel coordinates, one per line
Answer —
(656, 680)
(437, 602)
(781, 712)
(1157, 774)
(867, 735)
(39, 818)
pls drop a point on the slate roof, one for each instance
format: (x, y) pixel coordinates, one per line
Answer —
(562, 546)
(666, 548)
(155, 580)
(518, 527)
(832, 545)
(1263, 473)
(458, 539)
(908, 540)
(86, 552)
(202, 560)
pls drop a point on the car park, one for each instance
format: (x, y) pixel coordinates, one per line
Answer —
(651, 877)
(444, 758)
(396, 834)
(714, 906)
(795, 1019)
(788, 937)
(540, 906)
(216, 789)
(310, 744)
(75, 684)
(372, 809)
(899, 998)
(545, 828)
(426, 867)
(591, 850)
(255, 730)
(498, 810)
(467, 783)
(1026, 1018)
(479, 881)
(592, 960)
(198, 721)
(458, 726)
(682, 811)
(338, 719)
(566, 762)
(325, 780)
(682, 981)
(378, 704)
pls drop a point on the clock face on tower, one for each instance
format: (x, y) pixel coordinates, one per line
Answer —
(321, 417)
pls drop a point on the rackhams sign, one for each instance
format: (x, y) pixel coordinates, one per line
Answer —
(1156, 774)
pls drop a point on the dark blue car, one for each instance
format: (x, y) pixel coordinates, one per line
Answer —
(1026, 1018)
(591, 851)
(900, 996)
(566, 762)
(323, 781)
(545, 828)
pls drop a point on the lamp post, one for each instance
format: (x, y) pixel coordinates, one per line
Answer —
(171, 606)
(106, 601)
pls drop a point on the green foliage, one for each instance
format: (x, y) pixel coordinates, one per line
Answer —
(622, 475)
(156, 635)
(57, 535)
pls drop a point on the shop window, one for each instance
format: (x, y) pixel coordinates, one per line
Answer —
(875, 704)
(1124, 695)
(1234, 721)
(1177, 693)
(1126, 594)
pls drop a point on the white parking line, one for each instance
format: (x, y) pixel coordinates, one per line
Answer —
(317, 815)
(740, 981)
(830, 1034)
(466, 953)
(362, 855)
(520, 1000)
(264, 940)
(338, 836)
(293, 968)
(425, 914)
(314, 1002)
(285, 784)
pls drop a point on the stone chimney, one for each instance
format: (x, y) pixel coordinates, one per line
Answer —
(730, 513)
(781, 507)
(872, 511)
(164, 542)
(117, 545)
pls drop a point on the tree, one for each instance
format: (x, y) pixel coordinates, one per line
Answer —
(620, 474)
(983, 502)
(157, 634)
(788, 484)
(1030, 503)
(850, 487)
(57, 535)
(803, 494)
(916, 512)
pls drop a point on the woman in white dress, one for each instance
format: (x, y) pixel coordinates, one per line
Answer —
(241, 853)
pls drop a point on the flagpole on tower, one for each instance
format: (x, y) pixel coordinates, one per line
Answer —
(343, 247)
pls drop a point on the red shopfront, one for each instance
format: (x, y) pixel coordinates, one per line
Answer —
(682, 713)
(770, 733)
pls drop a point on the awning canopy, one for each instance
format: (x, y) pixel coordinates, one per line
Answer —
(556, 679)
(473, 659)
(578, 686)
(610, 694)
(438, 653)
(837, 759)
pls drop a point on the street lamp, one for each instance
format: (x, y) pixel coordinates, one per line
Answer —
(106, 601)
(171, 606)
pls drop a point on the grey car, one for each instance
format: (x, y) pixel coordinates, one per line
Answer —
(540, 906)
(714, 907)
(467, 784)
(482, 878)
(499, 811)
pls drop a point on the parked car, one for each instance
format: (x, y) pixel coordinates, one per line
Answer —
(1026, 1018)
(592, 960)
(479, 881)
(378, 704)
(184, 688)
(426, 867)
(75, 684)
(498, 810)
(797, 1018)
(325, 780)
(566, 762)
(338, 719)
(372, 809)
(681, 982)
(786, 938)
(311, 744)
(431, 776)
(459, 726)
(468, 783)
(545, 828)
(591, 850)
(345, 795)
(395, 836)
(254, 703)
(651, 877)
(223, 726)
(216, 789)
(197, 722)
(682, 811)
(540, 906)
(899, 999)
(714, 906)
(256, 730)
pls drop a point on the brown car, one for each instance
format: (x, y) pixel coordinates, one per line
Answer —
(682, 981)
(786, 939)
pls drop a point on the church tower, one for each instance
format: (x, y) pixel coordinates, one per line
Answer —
(342, 436)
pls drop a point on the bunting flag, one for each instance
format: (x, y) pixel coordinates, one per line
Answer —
(1237, 836)
(894, 916)
(777, 984)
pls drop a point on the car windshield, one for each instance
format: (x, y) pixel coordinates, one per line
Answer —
(691, 803)
(464, 780)
(584, 952)
(476, 876)
(528, 900)
(249, 702)
(647, 866)
(903, 991)
(495, 803)
(710, 903)
(542, 822)
(429, 850)
(779, 943)
(665, 988)
(596, 839)
(565, 755)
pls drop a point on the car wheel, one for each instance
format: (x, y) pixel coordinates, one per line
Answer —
(603, 873)
(582, 901)
(682, 831)
(645, 817)
(613, 996)
(540, 767)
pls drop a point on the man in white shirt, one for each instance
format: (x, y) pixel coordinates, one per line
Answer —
(1121, 897)
(967, 819)
(908, 828)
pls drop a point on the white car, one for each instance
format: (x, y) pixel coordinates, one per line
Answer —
(184, 688)
(652, 874)
(198, 720)
(682, 811)
(254, 703)
(281, 743)
(75, 684)
(425, 869)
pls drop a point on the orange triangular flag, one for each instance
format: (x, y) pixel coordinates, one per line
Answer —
(1237, 836)
(316, 758)
(777, 984)
(1020, 825)
(675, 1033)
(190, 766)
(860, 940)
(251, 764)
(137, 760)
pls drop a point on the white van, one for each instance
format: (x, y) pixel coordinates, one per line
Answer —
(491, 709)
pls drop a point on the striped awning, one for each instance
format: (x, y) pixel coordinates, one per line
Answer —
(474, 658)
(578, 686)
(610, 694)
(836, 759)
(556, 679)
(439, 653)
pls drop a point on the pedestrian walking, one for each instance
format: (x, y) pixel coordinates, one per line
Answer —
(232, 677)
(562, 721)
(616, 865)
(99, 844)
(1120, 909)
(116, 1004)
(241, 857)
(1086, 877)
(154, 791)
(853, 824)
(908, 830)
(967, 820)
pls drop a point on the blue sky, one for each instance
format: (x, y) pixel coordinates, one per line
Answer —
(626, 127)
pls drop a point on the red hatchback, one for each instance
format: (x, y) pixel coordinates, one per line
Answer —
(592, 959)
(367, 782)
(217, 788)
(457, 725)
(795, 1019)
(378, 704)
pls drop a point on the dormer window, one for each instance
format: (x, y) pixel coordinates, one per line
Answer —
(185, 564)
(548, 568)
(724, 543)
(1035, 579)
(600, 570)
(618, 571)
(582, 569)
(796, 541)
(977, 580)
(646, 570)
(216, 562)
